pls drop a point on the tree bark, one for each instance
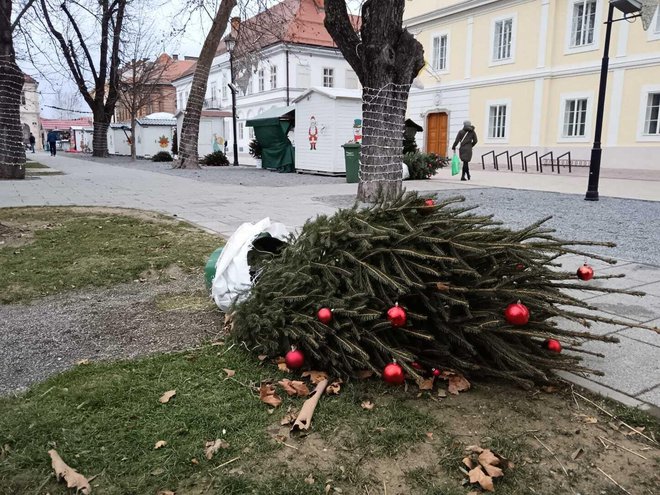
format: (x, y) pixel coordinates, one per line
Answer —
(188, 145)
(12, 150)
(386, 58)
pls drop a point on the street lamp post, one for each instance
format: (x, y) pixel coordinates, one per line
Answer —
(628, 7)
(230, 43)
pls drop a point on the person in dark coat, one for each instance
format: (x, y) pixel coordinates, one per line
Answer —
(466, 139)
(33, 140)
(52, 142)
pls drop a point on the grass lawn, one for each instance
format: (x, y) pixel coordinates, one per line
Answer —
(30, 164)
(104, 418)
(49, 250)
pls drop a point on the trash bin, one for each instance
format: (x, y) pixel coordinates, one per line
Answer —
(352, 156)
(209, 269)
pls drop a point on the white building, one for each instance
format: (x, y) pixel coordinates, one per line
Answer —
(288, 50)
(30, 111)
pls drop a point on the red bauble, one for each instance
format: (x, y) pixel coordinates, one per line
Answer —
(393, 374)
(429, 202)
(517, 314)
(553, 345)
(436, 372)
(417, 366)
(397, 316)
(324, 315)
(585, 272)
(294, 359)
(520, 267)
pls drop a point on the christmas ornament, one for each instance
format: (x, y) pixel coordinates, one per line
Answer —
(553, 345)
(324, 315)
(393, 374)
(520, 267)
(417, 366)
(427, 209)
(294, 359)
(397, 316)
(516, 314)
(585, 272)
(429, 202)
(435, 371)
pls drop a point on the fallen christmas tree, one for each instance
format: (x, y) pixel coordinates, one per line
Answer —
(428, 286)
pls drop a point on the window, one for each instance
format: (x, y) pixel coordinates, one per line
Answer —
(503, 40)
(583, 23)
(273, 76)
(351, 79)
(178, 101)
(497, 122)
(241, 129)
(652, 121)
(23, 98)
(214, 90)
(328, 78)
(439, 60)
(262, 82)
(303, 76)
(224, 87)
(575, 118)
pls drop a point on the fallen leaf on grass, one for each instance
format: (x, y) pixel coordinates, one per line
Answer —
(165, 398)
(587, 419)
(478, 476)
(194, 461)
(290, 417)
(82, 362)
(484, 465)
(262, 357)
(230, 373)
(368, 405)
(468, 463)
(213, 446)
(309, 480)
(442, 393)
(267, 395)
(228, 324)
(458, 383)
(426, 384)
(297, 388)
(315, 377)
(334, 388)
(72, 477)
(429, 435)
(159, 444)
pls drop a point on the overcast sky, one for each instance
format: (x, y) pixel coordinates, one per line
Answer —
(52, 77)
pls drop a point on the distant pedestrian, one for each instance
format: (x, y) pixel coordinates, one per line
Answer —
(33, 140)
(52, 142)
(466, 139)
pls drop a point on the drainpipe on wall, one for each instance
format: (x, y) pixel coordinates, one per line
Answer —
(287, 77)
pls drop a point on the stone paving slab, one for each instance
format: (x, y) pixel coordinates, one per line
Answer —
(644, 335)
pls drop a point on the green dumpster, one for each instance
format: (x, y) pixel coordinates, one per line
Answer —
(209, 269)
(352, 156)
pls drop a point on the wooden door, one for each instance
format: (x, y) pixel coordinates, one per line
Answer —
(436, 133)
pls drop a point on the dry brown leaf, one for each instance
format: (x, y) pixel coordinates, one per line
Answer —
(333, 388)
(458, 383)
(267, 395)
(315, 377)
(487, 484)
(368, 405)
(442, 286)
(290, 417)
(468, 463)
(310, 479)
(283, 367)
(294, 387)
(429, 435)
(72, 477)
(262, 357)
(159, 444)
(213, 446)
(587, 419)
(364, 374)
(228, 324)
(230, 373)
(474, 449)
(487, 457)
(577, 453)
(165, 398)
(493, 471)
(82, 362)
(426, 384)
(442, 393)
(478, 476)
(194, 461)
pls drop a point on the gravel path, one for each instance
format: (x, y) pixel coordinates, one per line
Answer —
(52, 334)
(221, 175)
(634, 225)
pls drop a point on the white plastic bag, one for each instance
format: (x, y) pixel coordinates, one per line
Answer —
(232, 272)
(405, 171)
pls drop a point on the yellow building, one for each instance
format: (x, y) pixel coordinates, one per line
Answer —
(526, 73)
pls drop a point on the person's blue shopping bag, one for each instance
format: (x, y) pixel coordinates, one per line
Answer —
(455, 165)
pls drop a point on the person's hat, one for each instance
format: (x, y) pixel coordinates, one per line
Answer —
(467, 122)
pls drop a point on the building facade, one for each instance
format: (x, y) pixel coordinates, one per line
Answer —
(526, 73)
(30, 110)
(290, 51)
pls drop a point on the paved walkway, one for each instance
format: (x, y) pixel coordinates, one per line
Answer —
(632, 373)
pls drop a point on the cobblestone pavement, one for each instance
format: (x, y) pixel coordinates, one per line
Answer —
(224, 198)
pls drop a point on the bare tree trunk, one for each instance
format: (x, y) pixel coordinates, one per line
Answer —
(133, 145)
(188, 146)
(386, 58)
(12, 150)
(100, 135)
